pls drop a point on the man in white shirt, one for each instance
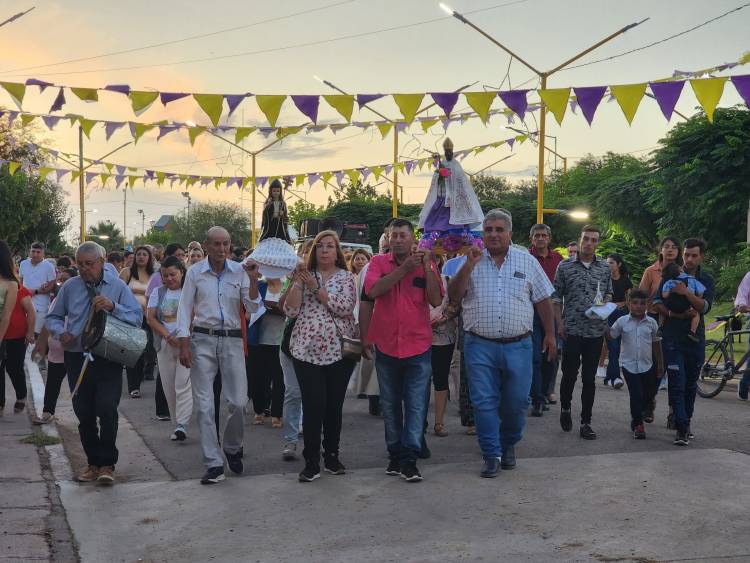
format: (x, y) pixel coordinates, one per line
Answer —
(38, 276)
(214, 290)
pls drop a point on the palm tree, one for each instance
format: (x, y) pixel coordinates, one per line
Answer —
(107, 234)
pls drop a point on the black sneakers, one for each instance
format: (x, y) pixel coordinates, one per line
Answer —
(491, 468)
(508, 461)
(333, 465)
(566, 422)
(681, 438)
(309, 473)
(213, 476)
(234, 461)
(587, 433)
(394, 467)
(411, 474)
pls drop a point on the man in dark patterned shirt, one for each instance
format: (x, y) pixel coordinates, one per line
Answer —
(576, 285)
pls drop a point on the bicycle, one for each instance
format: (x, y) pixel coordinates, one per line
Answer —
(719, 366)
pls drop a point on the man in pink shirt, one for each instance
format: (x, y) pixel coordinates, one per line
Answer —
(403, 285)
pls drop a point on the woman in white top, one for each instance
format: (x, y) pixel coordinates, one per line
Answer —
(162, 318)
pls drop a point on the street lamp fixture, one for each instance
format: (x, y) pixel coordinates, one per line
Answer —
(575, 214)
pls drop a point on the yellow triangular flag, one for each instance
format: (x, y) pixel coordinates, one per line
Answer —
(384, 128)
(104, 177)
(141, 101)
(132, 179)
(87, 125)
(160, 177)
(400, 166)
(709, 91)
(16, 91)
(74, 175)
(212, 104)
(109, 166)
(43, 171)
(427, 123)
(86, 94)
(193, 133)
(556, 100)
(270, 106)
(299, 179)
(218, 182)
(629, 97)
(480, 102)
(342, 103)
(353, 175)
(242, 132)
(377, 171)
(326, 177)
(13, 166)
(26, 119)
(140, 129)
(408, 105)
(286, 131)
(478, 150)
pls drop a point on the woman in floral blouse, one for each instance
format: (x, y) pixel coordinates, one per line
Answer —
(322, 297)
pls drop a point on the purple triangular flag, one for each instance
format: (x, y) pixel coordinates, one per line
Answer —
(165, 130)
(511, 142)
(667, 94)
(363, 99)
(61, 174)
(388, 168)
(261, 181)
(50, 121)
(266, 131)
(365, 172)
(150, 174)
(401, 125)
(446, 122)
(339, 177)
(167, 97)
(588, 99)
(110, 127)
(41, 83)
(515, 100)
(573, 107)
(234, 100)
(446, 100)
(312, 178)
(119, 179)
(409, 166)
(120, 169)
(308, 105)
(59, 101)
(90, 177)
(119, 88)
(742, 84)
(12, 115)
(131, 125)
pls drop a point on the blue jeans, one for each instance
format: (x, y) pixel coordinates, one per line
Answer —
(292, 400)
(404, 384)
(683, 359)
(499, 382)
(544, 371)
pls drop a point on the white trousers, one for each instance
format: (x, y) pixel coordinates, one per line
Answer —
(175, 379)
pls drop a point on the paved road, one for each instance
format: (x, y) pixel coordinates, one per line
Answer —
(721, 422)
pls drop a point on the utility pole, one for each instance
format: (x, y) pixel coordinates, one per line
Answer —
(543, 75)
(80, 184)
(124, 216)
(143, 222)
(189, 199)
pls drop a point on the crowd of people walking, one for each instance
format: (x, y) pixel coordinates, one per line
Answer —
(489, 329)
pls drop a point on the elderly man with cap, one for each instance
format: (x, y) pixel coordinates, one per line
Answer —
(212, 300)
(96, 401)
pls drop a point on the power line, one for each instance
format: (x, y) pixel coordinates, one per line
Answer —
(184, 39)
(275, 49)
(659, 42)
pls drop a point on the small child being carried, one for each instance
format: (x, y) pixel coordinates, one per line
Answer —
(674, 275)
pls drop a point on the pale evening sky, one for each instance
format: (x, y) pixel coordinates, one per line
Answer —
(436, 56)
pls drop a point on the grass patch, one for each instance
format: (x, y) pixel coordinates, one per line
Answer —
(39, 440)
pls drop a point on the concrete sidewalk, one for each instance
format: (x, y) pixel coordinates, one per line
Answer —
(655, 506)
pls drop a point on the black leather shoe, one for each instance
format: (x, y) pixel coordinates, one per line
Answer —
(587, 433)
(508, 461)
(234, 461)
(566, 422)
(491, 467)
(536, 410)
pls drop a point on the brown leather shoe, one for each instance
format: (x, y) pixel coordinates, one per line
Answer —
(89, 474)
(106, 475)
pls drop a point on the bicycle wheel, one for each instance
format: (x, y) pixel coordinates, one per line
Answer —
(715, 370)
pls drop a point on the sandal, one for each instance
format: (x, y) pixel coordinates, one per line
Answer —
(439, 430)
(276, 422)
(258, 420)
(471, 431)
(18, 406)
(135, 394)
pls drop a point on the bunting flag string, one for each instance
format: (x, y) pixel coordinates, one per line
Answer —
(122, 174)
(138, 130)
(270, 105)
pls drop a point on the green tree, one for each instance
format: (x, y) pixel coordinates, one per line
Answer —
(203, 216)
(702, 179)
(155, 237)
(107, 234)
(354, 191)
(491, 188)
(30, 208)
(302, 209)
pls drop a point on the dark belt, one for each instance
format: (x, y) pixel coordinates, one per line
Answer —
(510, 340)
(232, 332)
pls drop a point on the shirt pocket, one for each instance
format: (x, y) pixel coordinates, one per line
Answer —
(230, 292)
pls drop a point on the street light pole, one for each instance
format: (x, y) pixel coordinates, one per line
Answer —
(189, 199)
(124, 215)
(543, 75)
(143, 222)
